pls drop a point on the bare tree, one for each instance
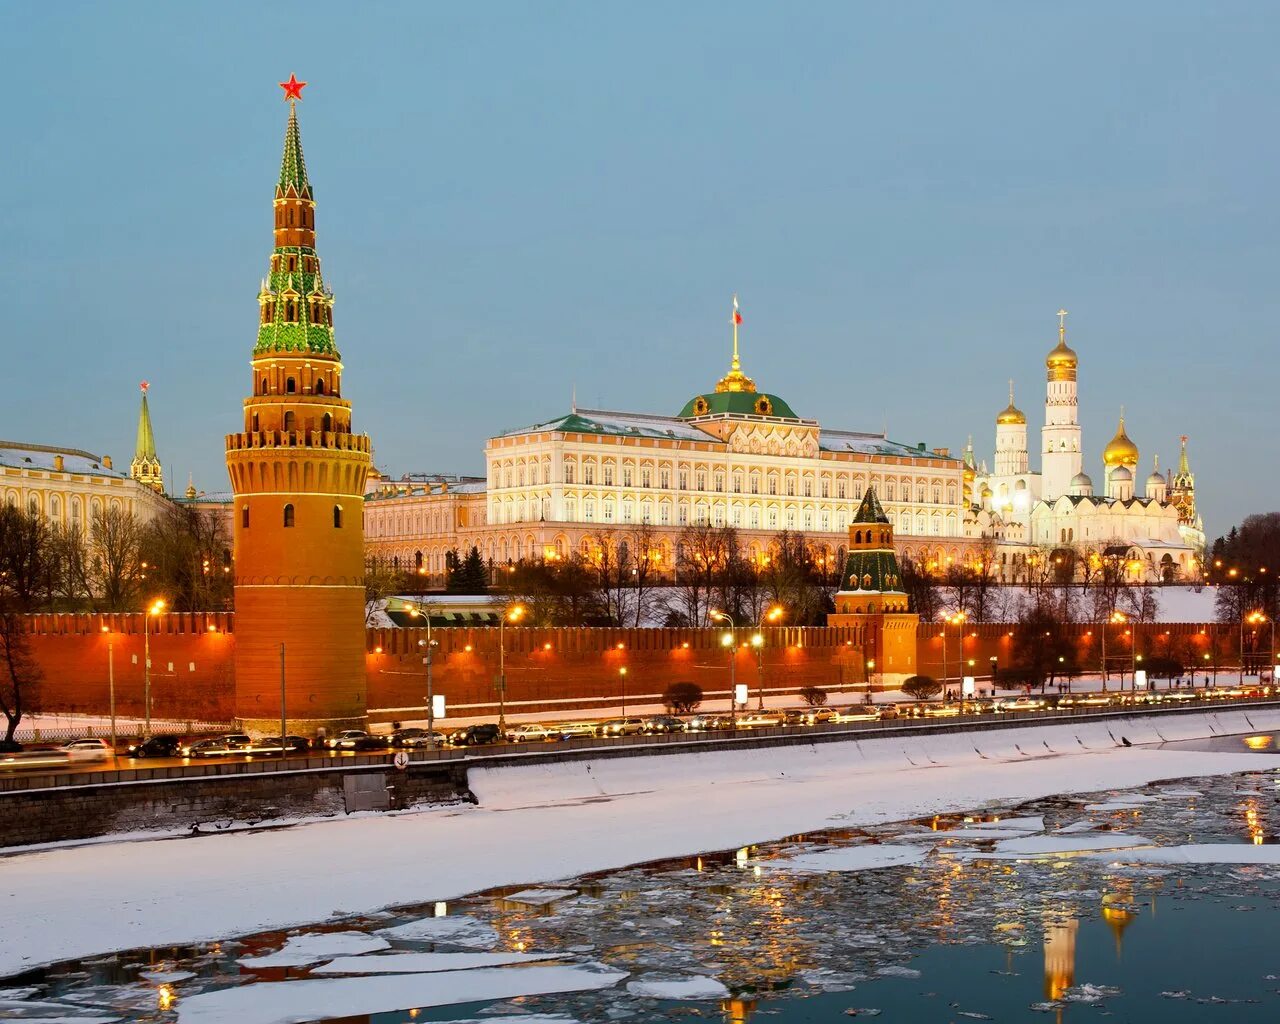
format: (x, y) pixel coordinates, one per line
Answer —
(381, 580)
(115, 559)
(188, 559)
(610, 563)
(703, 555)
(646, 569)
(20, 675)
(72, 569)
(794, 581)
(26, 557)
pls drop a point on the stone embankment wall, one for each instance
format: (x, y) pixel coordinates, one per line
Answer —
(216, 802)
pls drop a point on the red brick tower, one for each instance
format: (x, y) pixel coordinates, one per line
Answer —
(298, 473)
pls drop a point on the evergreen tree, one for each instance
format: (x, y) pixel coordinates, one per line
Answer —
(472, 577)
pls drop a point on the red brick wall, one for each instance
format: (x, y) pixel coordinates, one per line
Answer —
(580, 664)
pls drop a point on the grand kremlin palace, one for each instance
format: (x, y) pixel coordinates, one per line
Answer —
(734, 456)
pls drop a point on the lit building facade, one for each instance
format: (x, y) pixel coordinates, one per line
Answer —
(734, 457)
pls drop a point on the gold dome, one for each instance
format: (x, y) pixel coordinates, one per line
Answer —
(1062, 361)
(1120, 451)
(1011, 414)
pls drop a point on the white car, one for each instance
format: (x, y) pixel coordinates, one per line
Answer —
(1021, 704)
(87, 750)
(529, 733)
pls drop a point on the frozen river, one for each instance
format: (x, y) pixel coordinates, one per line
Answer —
(1153, 903)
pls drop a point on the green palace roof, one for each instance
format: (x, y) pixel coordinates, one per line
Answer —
(753, 403)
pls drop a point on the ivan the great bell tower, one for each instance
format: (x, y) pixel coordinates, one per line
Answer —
(298, 474)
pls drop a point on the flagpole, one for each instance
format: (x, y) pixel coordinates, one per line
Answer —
(734, 320)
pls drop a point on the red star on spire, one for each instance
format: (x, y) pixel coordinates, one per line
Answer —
(293, 88)
(145, 385)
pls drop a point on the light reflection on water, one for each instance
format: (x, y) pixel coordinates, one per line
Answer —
(988, 936)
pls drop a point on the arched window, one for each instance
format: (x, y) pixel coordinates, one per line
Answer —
(289, 219)
(417, 558)
(857, 537)
(320, 386)
(255, 422)
(327, 423)
(337, 521)
(291, 311)
(244, 517)
(288, 515)
(264, 386)
(289, 420)
(290, 386)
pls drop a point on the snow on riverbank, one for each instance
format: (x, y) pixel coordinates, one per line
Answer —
(544, 822)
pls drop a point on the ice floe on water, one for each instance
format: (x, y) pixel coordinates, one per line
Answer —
(285, 1002)
(540, 897)
(1066, 846)
(850, 858)
(691, 987)
(425, 963)
(1201, 853)
(459, 930)
(311, 948)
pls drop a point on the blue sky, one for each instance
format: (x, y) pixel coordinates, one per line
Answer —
(517, 198)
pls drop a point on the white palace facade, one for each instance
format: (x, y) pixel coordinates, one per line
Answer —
(734, 456)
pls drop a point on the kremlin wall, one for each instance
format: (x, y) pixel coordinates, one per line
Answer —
(549, 671)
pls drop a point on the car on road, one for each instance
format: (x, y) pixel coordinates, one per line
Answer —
(621, 727)
(33, 758)
(530, 732)
(1021, 704)
(356, 739)
(574, 730)
(937, 710)
(888, 711)
(477, 735)
(272, 745)
(663, 724)
(1084, 700)
(809, 716)
(709, 723)
(858, 713)
(761, 720)
(88, 750)
(156, 746)
(217, 746)
(413, 737)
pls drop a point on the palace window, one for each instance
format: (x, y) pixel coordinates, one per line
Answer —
(588, 511)
(646, 479)
(891, 491)
(664, 478)
(608, 475)
(937, 494)
(664, 514)
(626, 511)
(700, 481)
(826, 487)
(682, 515)
(568, 472)
(684, 480)
(718, 515)
(737, 483)
(570, 508)
(755, 483)
(607, 514)
(626, 476)
(755, 519)
(773, 519)
(773, 485)
(737, 516)
(808, 488)
(719, 481)
(791, 487)
(589, 473)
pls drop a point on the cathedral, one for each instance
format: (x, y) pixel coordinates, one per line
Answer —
(1040, 514)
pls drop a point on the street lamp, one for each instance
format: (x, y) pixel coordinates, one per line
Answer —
(1254, 618)
(514, 614)
(157, 606)
(428, 646)
(729, 641)
(1116, 617)
(111, 687)
(622, 679)
(757, 641)
(871, 667)
(955, 620)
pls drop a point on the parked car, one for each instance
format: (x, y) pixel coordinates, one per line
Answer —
(808, 716)
(709, 723)
(215, 747)
(529, 732)
(238, 740)
(273, 745)
(477, 735)
(414, 737)
(572, 730)
(663, 724)
(88, 750)
(887, 711)
(1021, 704)
(858, 713)
(156, 746)
(937, 710)
(621, 727)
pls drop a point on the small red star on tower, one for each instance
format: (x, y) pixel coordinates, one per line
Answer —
(293, 88)
(145, 384)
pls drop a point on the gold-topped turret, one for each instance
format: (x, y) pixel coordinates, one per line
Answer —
(1120, 450)
(1011, 414)
(735, 379)
(1062, 362)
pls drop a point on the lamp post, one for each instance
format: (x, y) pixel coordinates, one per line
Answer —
(955, 620)
(871, 667)
(622, 679)
(428, 645)
(513, 614)
(111, 687)
(729, 640)
(156, 608)
(757, 641)
(995, 668)
(1254, 618)
(284, 740)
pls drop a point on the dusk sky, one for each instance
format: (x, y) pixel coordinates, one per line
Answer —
(517, 199)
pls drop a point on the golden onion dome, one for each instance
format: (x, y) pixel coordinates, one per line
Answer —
(987, 491)
(1011, 414)
(1063, 357)
(1120, 450)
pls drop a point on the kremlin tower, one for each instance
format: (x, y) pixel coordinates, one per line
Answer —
(298, 474)
(145, 467)
(1061, 456)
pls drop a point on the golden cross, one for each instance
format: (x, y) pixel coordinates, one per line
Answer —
(1062, 324)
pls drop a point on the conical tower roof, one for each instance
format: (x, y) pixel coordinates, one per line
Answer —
(293, 167)
(870, 511)
(145, 449)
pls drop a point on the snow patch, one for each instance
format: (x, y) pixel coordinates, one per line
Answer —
(693, 987)
(469, 932)
(425, 963)
(850, 858)
(302, 950)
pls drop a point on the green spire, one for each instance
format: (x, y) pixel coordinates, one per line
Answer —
(293, 168)
(870, 511)
(145, 467)
(146, 446)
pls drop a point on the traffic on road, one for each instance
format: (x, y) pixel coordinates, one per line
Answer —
(89, 752)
